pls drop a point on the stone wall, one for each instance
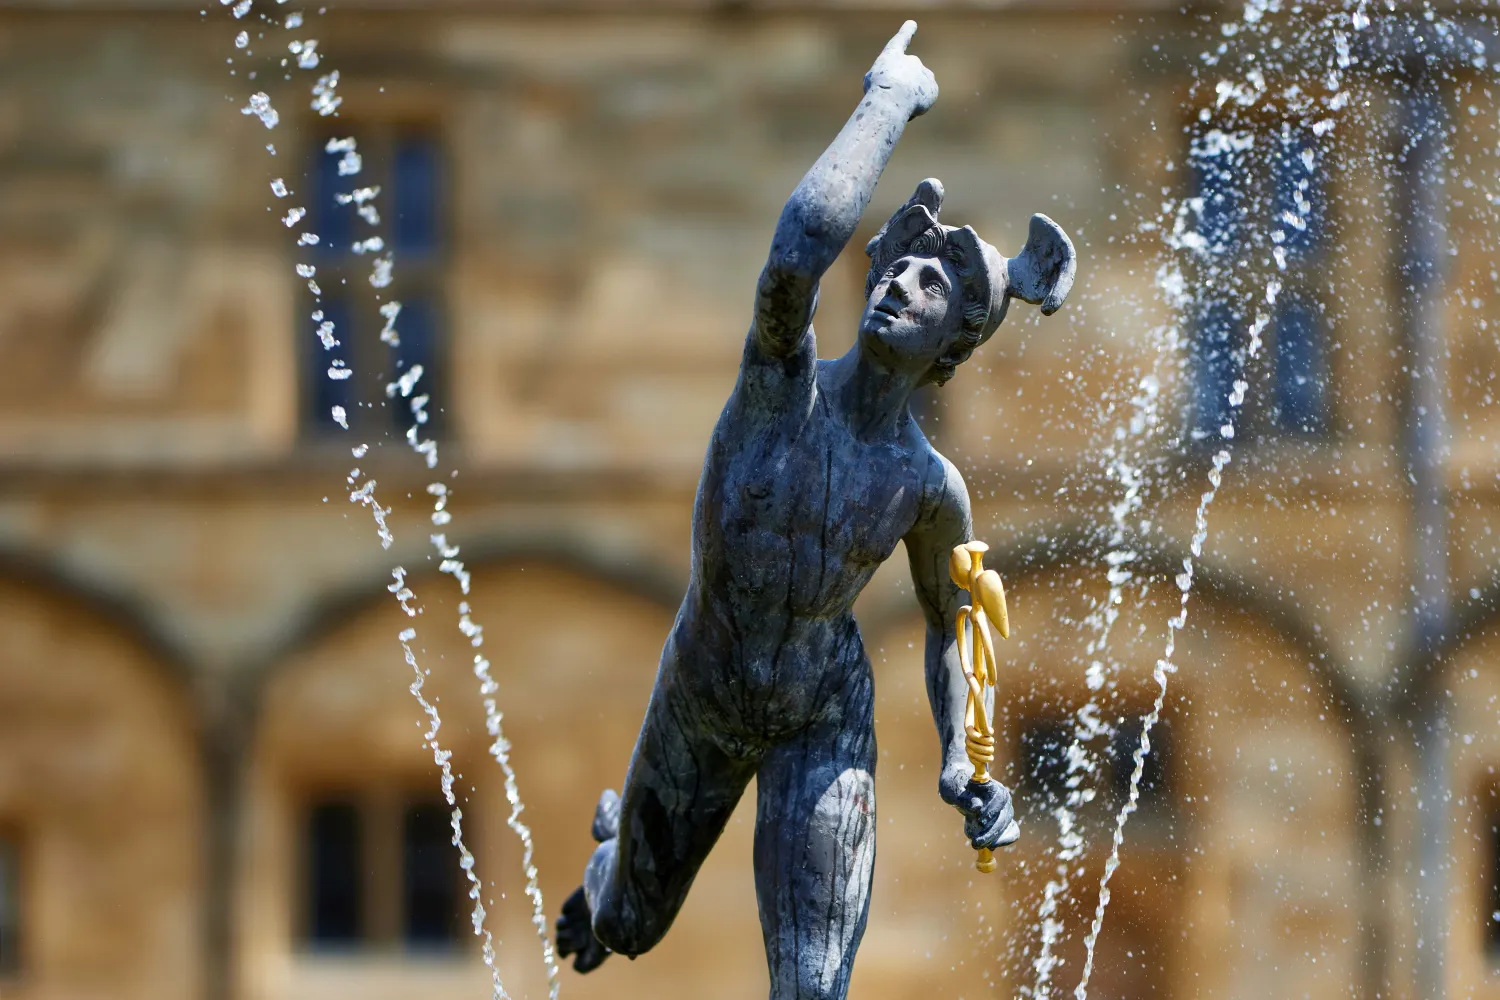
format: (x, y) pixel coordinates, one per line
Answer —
(199, 637)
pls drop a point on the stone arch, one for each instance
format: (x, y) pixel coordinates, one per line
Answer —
(520, 592)
(1073, 546)
(128, 616)
(102, 787)
(1362, 713)
(1472, 672)
(1471, 618)
(1203, 868)
(1474, 616)
(589, 554)
(1466, 667)
(337, 708)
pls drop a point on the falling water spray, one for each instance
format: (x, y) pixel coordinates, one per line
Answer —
(363, 201)
(1180, 236)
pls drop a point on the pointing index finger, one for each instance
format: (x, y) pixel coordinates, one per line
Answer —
(902, 38)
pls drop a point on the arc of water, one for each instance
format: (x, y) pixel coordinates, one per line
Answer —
(500, 750)
(443, 759)
(1086, 722)
(326, 102)
(1163, 669)
(1246, 92)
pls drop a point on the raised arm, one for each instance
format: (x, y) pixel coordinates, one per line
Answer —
(825, 208)
(986, 808)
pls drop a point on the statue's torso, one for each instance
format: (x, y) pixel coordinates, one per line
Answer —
(793, 516)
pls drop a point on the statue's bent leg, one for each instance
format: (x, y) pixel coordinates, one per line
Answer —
(815, 850)
(680, 791)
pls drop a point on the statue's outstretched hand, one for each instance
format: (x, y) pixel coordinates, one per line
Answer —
(989, 819)
(903, 75)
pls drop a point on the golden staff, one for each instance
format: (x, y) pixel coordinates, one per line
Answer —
(976, 654)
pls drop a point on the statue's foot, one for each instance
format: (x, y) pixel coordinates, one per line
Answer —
(575, 934)
(575, 927)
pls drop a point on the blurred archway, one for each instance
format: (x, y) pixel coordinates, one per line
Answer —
(1215, 889)
(337, 728)
(102, 798)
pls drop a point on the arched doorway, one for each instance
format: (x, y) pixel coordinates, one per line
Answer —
(337, 727)
(1241, 870)
(101, 808)
(1472, 674)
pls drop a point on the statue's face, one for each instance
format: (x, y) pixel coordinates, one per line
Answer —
(915, 313)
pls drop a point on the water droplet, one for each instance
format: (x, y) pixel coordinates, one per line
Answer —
(325, 102)
(306, 53)
(405, 383)
(260, 107)
(390, 310)
(380, 275)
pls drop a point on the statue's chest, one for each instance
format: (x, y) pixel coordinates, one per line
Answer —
(813, 510)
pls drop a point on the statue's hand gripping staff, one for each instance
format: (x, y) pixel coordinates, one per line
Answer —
(976, 654)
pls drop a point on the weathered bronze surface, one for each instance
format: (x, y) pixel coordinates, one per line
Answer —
(815, 471)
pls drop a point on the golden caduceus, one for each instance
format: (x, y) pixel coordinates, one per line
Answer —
(976, 653)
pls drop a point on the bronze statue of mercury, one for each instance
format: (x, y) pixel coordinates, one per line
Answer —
(814, 472)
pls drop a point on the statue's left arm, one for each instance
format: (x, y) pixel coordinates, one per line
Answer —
(823, 211)
(947, 523)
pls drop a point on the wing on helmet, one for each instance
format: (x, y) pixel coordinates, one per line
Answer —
(1042, 273)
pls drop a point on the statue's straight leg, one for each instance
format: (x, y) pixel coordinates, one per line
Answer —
(815, 846)
(680, 791)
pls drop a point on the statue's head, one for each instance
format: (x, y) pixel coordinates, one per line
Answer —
(935, 292)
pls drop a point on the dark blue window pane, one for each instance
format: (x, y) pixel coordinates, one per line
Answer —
(324, 393)
(1215, 366)
(417, 325)
(430, 876)
(1299, 196)
(1217, 175)
(334, 223)
(335, 896)
(1044, 761)
(1492, 918)
(10, 909)
(414, 195)
(1300, 375)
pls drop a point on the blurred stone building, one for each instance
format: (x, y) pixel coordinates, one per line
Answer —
(213, 781)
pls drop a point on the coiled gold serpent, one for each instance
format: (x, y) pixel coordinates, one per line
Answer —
(976, 654)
